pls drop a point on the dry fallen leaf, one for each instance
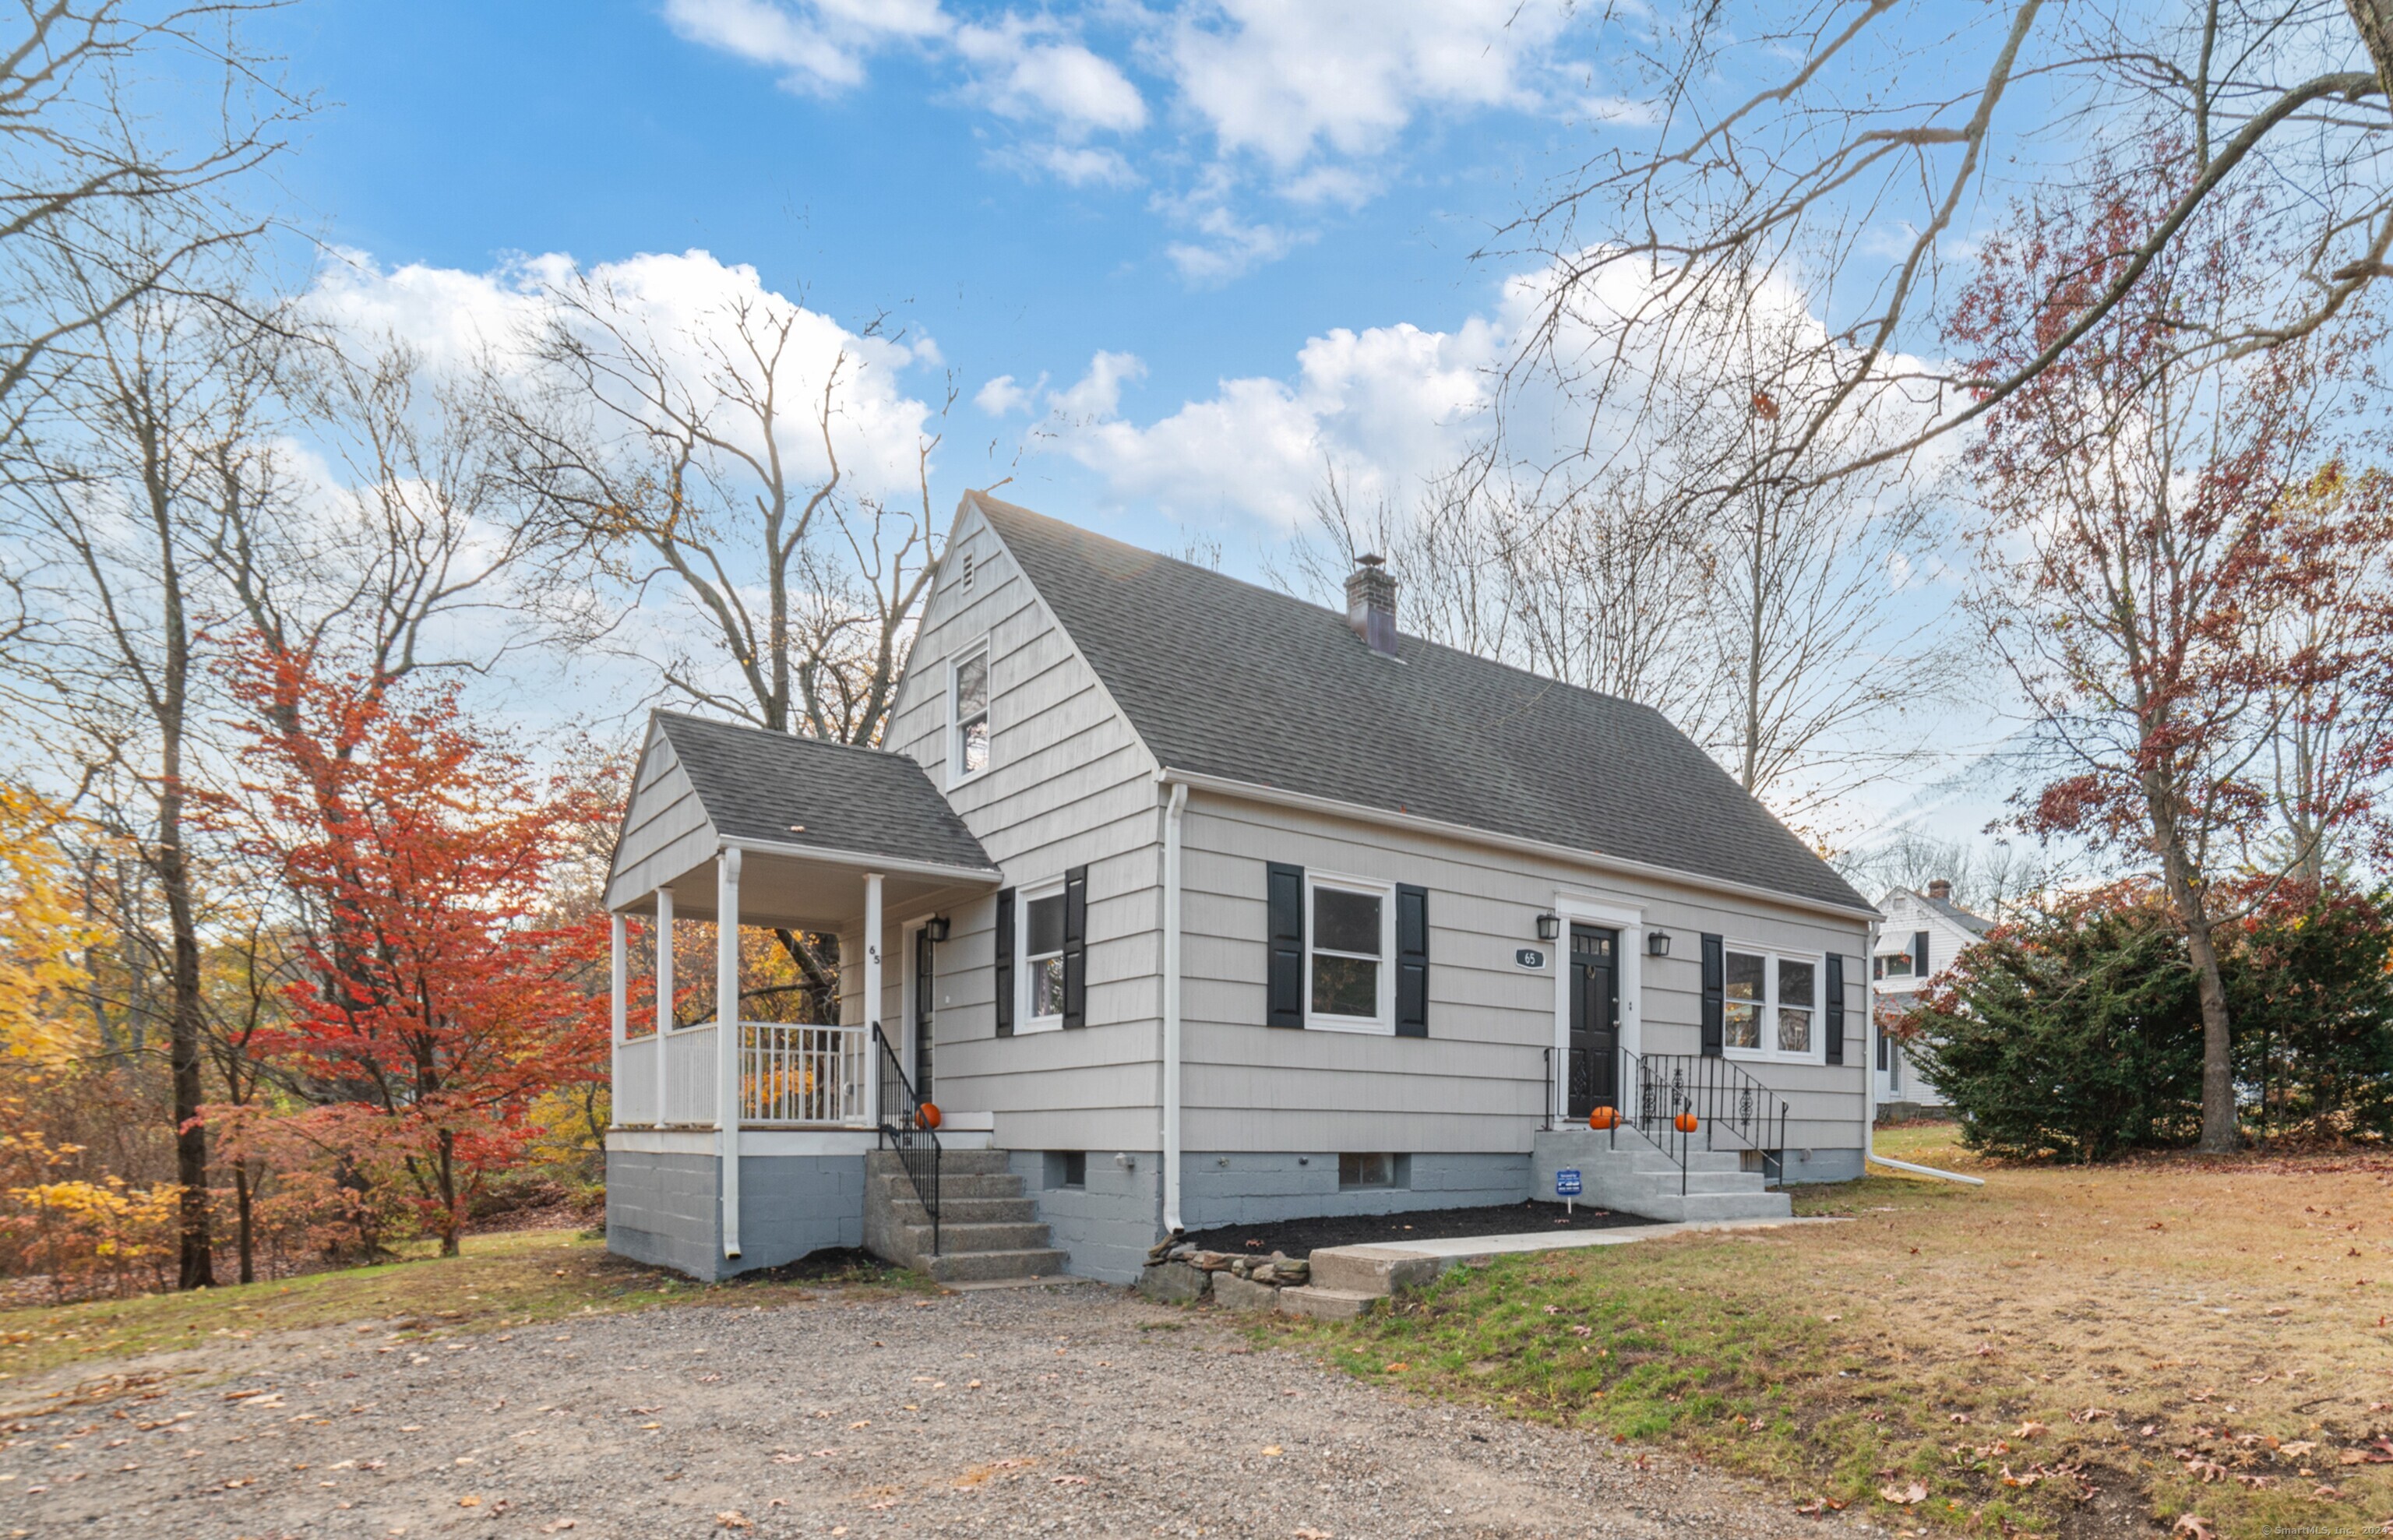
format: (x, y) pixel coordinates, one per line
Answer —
(1069, 1481)
(733, 1519)
(1271, 1449)
(1903, 1496)
(2193, 1526)
(469, 1500)
(558, 1527)
(2030, 1430)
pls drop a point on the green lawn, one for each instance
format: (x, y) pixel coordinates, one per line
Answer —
(502, 1280)
(2062, 1349)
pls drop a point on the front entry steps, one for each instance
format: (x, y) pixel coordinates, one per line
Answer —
(989, 1231)
(1631, 1176)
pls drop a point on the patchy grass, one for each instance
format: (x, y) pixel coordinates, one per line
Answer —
(2062, 1352)
(501, 1280)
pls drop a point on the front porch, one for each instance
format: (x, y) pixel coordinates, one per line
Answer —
(738, 1141)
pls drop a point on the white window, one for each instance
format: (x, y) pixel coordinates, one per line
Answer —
(968, 712)
(1349, 941)
(1041, 964)
(1893, 965)
(1771, 1005)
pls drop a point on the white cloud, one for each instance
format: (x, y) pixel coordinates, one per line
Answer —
(1389, 404)
(1030, 71)
(1284, 81)
(1073, 164)
(822, 44)
(1005, 396)
(684, 304)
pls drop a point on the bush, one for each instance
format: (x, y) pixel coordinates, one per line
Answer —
(2078, 1033)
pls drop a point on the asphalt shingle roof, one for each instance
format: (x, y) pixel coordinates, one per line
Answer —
(1223, 678)
(754, 784)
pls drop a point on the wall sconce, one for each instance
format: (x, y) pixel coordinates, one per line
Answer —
(1658, 944)
(935, 928)
(1550, 927)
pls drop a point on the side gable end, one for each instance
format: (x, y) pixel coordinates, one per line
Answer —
(666, 830)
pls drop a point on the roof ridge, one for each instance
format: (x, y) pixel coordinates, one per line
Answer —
(776, 734)
(1548, 680)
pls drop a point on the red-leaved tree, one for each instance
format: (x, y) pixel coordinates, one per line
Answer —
(2151, 551)
(442, 996)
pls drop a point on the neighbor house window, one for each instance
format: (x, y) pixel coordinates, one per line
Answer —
(1894, 965)
(1349, 933)
(969, 698)
(1769, 1003)
(1042, 960)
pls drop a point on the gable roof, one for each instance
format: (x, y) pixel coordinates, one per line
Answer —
(1225, 679)
(1976, 924)
(754, 784)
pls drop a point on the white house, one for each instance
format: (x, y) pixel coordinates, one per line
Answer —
(1187, 903)
(1923, 933)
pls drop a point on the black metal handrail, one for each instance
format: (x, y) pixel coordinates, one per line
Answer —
(1723, 1098)
(899, 1118)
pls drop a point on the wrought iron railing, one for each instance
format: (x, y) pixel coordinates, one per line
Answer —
(1723, 1102)
(903, 1130)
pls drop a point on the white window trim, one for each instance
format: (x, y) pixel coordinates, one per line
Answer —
(956, 774)
(1384, 1024)
(1023, 1022)
(1772, 956)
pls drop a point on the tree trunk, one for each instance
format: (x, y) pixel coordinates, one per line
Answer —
(241, 1199)
(449, 1206)
(2220, 1134)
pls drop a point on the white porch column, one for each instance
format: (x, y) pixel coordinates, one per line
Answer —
(727, 1039)
(871, 995)
(619, 1014)
(664, 999)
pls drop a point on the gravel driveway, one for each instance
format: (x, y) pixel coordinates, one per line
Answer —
(1049, 1411)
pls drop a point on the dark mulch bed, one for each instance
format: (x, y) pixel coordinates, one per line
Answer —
(1299, 1237)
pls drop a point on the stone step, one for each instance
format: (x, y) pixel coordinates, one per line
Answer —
(978, 1267)
(953, 1186)
(1619, 1186)
(976, 1237)
(1328, 1305)
(908, 1209)
(952, 1162)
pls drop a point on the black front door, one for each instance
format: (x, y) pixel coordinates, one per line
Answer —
(1594, 1019)
(923, 980)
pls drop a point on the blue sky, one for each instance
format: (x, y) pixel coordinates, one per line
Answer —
(1205, 192)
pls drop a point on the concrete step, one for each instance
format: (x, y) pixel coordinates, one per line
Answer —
(955, 1188)
(908, 1209)
(952, 1162)
(1619, 1187)
(1328, 1305)
(1372, 1270)
(976, 1237)
(979, 1267)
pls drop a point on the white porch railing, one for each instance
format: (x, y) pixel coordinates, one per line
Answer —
(802, 1074)
(811, 1076)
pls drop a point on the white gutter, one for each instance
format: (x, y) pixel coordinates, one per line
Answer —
(1274, 796)
(1869, 1103)
(1172, 1007)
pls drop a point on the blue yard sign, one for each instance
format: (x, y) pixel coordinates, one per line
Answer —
(1566, 1184)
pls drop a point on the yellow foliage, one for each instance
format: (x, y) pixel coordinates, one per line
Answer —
(41, 934)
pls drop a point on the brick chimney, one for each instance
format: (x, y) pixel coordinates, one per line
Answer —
(1371, 604)
(1940, 888)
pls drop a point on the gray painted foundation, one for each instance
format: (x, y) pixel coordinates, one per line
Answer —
(1258, 1188)
(666, 1210)
(1821, 1165)
(1107, 1223)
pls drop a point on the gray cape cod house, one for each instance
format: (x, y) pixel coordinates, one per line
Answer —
(1188, 904)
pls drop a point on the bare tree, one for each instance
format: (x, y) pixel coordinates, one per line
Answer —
(679, 461)
(1837, 150)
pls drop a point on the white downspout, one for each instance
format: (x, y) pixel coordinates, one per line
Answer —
(617, 1016)
(1172, 1008)
(727, 1039)
(664, 999)
(872, 1002)
(1869, 1078)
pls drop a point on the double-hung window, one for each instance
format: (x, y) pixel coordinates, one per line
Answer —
(1349, 943)
(1770, 1006)
(968, 712)
(1042, 960)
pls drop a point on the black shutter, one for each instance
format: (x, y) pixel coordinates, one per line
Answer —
(1919, 954)
(1285, 971)
(1833, 1018)
(1412, 961)
(1715, 996)
(1006, 963)
(1076, 948)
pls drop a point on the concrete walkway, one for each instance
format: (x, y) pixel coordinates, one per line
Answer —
(1466, 1246)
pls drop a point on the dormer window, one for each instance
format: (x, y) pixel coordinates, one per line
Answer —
(968, 698)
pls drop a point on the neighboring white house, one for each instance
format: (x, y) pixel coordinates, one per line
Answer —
(1208, 906)
(1923, 933)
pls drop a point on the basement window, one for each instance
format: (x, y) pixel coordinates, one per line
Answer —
(1364, 1172)
(1068, 1169)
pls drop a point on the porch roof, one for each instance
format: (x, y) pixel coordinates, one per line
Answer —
(810, 816)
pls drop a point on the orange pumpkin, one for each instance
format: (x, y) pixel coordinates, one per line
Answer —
(1603, 1117)
(927, 1115)
(1685, 1122)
